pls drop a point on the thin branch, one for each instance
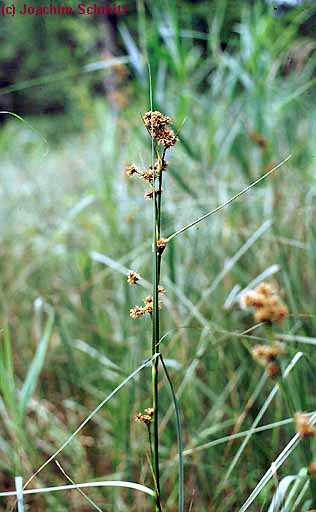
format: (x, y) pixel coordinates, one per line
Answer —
(221, 206)
(86, 497)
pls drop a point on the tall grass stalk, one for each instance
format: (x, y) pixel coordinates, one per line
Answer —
(155, 323)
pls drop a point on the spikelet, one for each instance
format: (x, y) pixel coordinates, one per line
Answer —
(132, 277)
(147, 417)
(156, 124)
(267, 356)
(131, 169)
(161, 245)
(303, 427)
(266, 302)
(273, 370)
(137, 312)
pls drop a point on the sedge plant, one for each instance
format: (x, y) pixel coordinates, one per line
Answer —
(163, 138)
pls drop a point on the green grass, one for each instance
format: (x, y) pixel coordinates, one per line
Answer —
(72, 226)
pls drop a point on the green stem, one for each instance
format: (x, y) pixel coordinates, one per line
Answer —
(155, 332)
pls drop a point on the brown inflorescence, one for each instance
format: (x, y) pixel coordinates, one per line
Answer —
(150, 193)
(156, 124)
(133, 277)
(143, 418)
(273, 370)
(161, 245)
(266, 302)
(154, 171)
(167, 138)
(161, 290)
(312, 469)
(148, 175)
(149, 304)
(303, 426)
(147, 417)
(131, 169)
(164, 165)
(267, 356)
(138, 311)
(155, 121)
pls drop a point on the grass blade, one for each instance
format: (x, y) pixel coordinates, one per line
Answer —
(35, 369)
(85, 485)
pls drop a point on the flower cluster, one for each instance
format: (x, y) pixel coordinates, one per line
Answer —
(267, 356)
(266, 302)
(149, 194)
(147, 417)
(161, 245)
(131, 169)
(139, 311)
(156, 124)
(148, 175)
(303, 426)
(133, 277)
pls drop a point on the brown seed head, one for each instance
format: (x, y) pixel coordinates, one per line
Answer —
(276, 350)
(263, 315)
(167, 138)
(279, 313)
(266, 355)
(259, 353)
(150, 193)
(150, 411)
(312, 469)
(130, 170)
(266, 302)
(137, 312)
(156, 123)
(160, 165)
(155, 120)
(273, 370)
(265, 289)
(132, 277)
(143, 418)
(149, 304)
(148, 175)
(303, 427)
(161, 245)
(252, 299)
(164, 165)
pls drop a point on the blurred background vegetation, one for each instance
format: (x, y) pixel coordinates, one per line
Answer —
(238, 79)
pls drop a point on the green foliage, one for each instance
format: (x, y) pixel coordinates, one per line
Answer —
(45, 46)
